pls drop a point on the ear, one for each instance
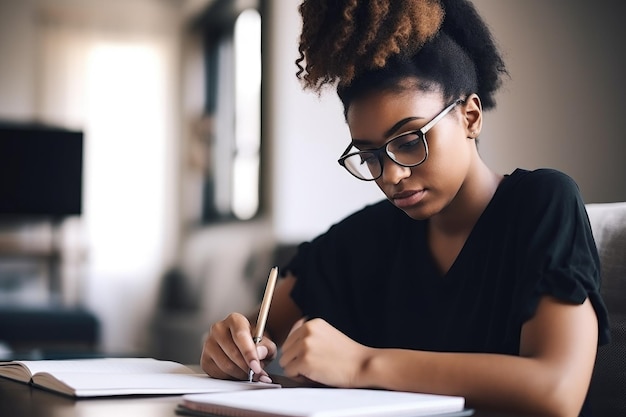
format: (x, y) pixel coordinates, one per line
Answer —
(472, 116)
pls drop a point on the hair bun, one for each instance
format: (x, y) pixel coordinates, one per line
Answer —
(342, 38)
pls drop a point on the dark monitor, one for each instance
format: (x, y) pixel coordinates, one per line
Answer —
(41, 170)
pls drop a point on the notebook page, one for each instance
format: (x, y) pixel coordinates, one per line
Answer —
(107, 365)
(324, 402)
(87, 385)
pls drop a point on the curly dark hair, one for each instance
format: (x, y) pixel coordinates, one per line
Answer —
(361, 46)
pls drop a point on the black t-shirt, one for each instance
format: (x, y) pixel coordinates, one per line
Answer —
(372, 275)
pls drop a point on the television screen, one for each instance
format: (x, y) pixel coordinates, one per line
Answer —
(41, 170)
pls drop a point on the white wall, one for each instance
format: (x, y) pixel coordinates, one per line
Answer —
(564, 103)
(310, 191)
(561, 109)
(17, 59)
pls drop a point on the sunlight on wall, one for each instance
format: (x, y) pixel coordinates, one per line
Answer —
(124, 194)
(125, 157)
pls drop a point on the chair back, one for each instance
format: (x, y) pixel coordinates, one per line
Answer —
(608, 384)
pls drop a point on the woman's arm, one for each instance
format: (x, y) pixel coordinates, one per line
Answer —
(550, 378)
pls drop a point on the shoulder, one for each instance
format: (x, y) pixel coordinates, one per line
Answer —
(543, 179)
(379, 215)
(542, 187)
(372, 224)
(381, 210)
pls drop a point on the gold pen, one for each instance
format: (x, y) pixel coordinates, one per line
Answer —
(264, 310)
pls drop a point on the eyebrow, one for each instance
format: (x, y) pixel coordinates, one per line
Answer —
(389, 132)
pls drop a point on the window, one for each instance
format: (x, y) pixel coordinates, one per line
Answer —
(246, 157)
(233, 105)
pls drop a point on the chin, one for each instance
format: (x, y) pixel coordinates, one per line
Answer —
(417, 213)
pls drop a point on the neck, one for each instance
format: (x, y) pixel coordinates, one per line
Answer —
(460, 216)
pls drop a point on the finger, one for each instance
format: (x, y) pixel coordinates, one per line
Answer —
(297, 325)
(264, 357)
(290, 356)
(262, 351)
(244, 353)
(266, 379)
(216, 363)
(228, 359)
(267, 350)
(294, 334)
(262, 376)
(298, 368)
(223, 356)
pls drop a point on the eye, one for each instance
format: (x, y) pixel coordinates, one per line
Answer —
(406, 143)
(368, 158)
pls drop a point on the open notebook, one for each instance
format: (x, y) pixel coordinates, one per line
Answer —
(322, 402)
(119, 376)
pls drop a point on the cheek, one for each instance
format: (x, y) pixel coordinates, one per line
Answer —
(380, 185)
(448, 157)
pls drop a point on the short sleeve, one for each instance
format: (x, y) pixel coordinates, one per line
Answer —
(331, 270)
(560, 257)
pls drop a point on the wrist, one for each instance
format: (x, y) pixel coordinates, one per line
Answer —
(366, 376)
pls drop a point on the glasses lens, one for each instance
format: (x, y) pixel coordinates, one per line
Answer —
(407, 149)
(363, 165)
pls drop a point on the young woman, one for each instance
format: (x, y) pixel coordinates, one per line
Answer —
(463, 281)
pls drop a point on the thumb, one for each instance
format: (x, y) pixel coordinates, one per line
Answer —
(262, 351)
(297, 325)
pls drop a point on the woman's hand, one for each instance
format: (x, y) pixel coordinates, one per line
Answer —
(229, 352)
(318, 352)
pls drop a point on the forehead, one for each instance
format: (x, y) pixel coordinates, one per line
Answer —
(376, 112)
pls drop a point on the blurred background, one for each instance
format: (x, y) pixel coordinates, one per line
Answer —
(187, 160)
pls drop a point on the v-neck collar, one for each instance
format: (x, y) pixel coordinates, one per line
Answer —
(474, 232)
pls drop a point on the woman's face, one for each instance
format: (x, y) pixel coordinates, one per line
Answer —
(427, 189)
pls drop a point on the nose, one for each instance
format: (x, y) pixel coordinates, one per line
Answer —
(392, 172)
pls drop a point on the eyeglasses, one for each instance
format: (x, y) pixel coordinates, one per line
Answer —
(409, 149)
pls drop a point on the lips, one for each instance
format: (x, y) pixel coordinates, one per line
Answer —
(408, 198)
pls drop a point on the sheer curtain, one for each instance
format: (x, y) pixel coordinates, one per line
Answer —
(117, 86)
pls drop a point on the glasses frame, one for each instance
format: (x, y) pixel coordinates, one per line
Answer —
(378, 152)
